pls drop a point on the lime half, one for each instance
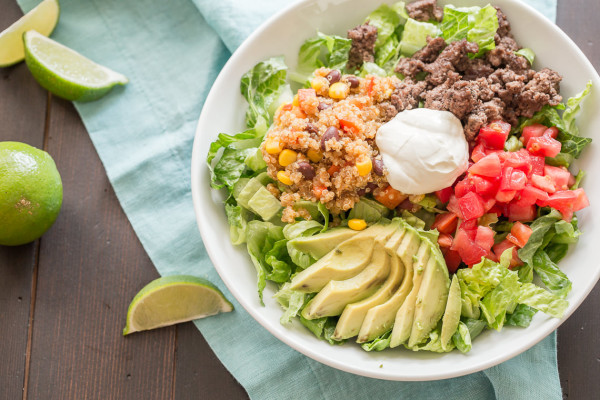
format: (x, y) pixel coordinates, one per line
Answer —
(173, 299)
(65, 72)
(42, 18)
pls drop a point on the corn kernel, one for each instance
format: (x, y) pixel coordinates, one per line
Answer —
(314, 155)
(273, 146)
(339, 91)
(296, 101)
(364, 166)
(284, 178)
(357, 224)
(287, 157)
(318, 83)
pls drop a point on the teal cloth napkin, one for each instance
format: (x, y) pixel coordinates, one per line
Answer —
(172, 51)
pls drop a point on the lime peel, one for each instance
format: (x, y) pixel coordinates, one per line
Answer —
(173, 299)
(65, 72)
(43, 18)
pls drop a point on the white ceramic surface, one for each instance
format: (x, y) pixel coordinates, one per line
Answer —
(224, 112)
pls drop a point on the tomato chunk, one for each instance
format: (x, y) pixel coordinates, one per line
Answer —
(544, 183)
(505, 245)
(581, 200)
(445, 223)
(535, 130)
(530, 195)
(517, 212)
(504, 196)
(519, 234)
(488, 166)
(445, 240)
(494, 135)
(484, 237)
(560, 176)
(471, 206)
(469, 251)
(463, 187)
(453, 260)
(544, 146)
(444, 194)
(485, 186)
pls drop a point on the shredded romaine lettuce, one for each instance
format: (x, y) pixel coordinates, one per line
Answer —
(414, 36)
(323, 50)
(475, 24)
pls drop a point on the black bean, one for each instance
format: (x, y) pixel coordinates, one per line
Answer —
(378, 166)
(361, 192)
(330, 133)
(353, 81)
(371, 187)
(333, 76)
(306, 170)
(310, 127)
(323, 106)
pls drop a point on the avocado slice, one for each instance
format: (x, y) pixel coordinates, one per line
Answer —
(345, 261)
(380, 319)
(353, 315)
(409, 246)
(332, 299)
(452, 314)
(317, 246)
(405, 314)
(432, 298)
(264, 204)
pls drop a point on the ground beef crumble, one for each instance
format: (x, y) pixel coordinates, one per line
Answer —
(363, 45)
(500, 85)
(425, 10)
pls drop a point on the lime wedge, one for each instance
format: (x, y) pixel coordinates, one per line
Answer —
(65, 72)
(173, 299)
(42, 18)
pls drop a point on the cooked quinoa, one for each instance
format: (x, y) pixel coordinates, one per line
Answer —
(321, 146)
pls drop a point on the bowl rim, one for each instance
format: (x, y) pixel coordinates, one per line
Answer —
(198, 166)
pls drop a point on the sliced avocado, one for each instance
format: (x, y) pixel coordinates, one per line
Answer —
(345, 261)
(452, 314)
(409, 246)
(332, 299)
(263, 178)
(353, 315)
(320, 244)
(264, 204)
(380, 319)
(394, 241)
(432, 298)
(405, 314)
(239, 186)
(248, 191)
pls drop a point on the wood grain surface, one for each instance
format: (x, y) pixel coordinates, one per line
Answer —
(63, 299)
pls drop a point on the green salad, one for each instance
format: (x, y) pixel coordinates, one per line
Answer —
(353, 256)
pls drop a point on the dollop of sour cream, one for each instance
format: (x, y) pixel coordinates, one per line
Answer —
(423, 150)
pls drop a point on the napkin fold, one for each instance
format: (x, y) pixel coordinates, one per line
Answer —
(172, 52)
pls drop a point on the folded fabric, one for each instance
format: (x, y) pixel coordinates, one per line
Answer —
(172, 51)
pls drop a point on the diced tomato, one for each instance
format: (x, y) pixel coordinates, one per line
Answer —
(445, 240)
(535, 130)
(469, 251)
(560, 176)
(488, 166)
(485, 186)
(544, 183)
(463, 187)
(504, 196)
(445, 223)
(552, 132)
(513, 179)
(581, 200)
(390, 197)
(530, 195)
(469, 226)
(518, 212)
(333, 169)
(489, 204)
(484, 237)
(318, 190)
(505, 245)
(349, 126)
(494, 135)
(491, 256)
(471, 206)
(444, 194)
(563, 201)
(519, 234)
(537, 165)
(544, 146)
(454, 207)
(453, 260)
(478, 153)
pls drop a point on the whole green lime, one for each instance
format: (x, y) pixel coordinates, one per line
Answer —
(30, 193)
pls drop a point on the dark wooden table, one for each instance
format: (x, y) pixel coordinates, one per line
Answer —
(63, 299)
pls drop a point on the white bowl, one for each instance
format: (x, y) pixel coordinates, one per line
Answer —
(224, 112)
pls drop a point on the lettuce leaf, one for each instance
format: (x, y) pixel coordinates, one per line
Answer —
(323, 50)
(539, 228)
(380, 343)
(542, 300)
(414, 36)
(292, 302)
(475, 24)
(238, 218)
(527, 53)
(369, 210)
(261, 86)
(522, 316)
(322, 328)
(550, 274)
